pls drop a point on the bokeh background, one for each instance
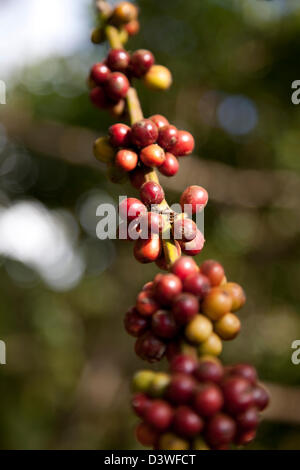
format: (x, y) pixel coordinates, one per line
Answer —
(63, 292)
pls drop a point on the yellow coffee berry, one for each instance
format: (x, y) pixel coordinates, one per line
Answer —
(142, 380)
(103, 151)
(228, 326)
(159, 384)
(237, 295)
(213, 346)
(158, 78)
(199, 329)
(170, 441)
(217, 303)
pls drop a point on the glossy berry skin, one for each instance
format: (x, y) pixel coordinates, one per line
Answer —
(119, 135)
(199, 329)
(99, 98)
(208, 400)
(209, 371)
(184, 229)
(260, 397)
(184, 144)
(152, 193)
(228, 327)
(237, 294)
(150, 348)
(186, 422)
(158, 78)
(193, 199)
(135, 324)
(184, 266)
(184, 308)
(183, 363)
(140, 402)
(100, 73)
(126, 159)
(131, 208)
(212, 346)
(160, 121)
(137, 177)
(153, 155)
(141, 61)
(146, 435)
(217, 303)
(181, 389)
(220, 430)
(124, 13)
(118, 60)
(195, 246)
(144, 133)
(214, 271)
(170, 166)
(248, 420)
(167, 288)
(164, 325)
(159, 415)
(238, 395)
(147, 251)
(146, 304)
(117, 86)
(196, 284)
(168, 137)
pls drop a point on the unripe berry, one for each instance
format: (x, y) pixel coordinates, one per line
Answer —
(199, 444)
(153, 155)
(238, 394)
(118, 60)
(212, 346)
(152, 193)
(199, 329)
(195, 246)
(260, 397)
(130, 208)
(183, 363)
(98, 36)
(217, 303)
(184, 266)
(100, 73)
(159, 385)
(181, 388)
(146, 304)
(146, 435)
(132, 28)
(208, 400)
(124, 13)
(163, 263)
(117, 86)
(144, 133)
(186, 422)
(167, 137)
(140, 62)
(140, 403)
(209, 371)
(147, 251)
(103, 150)
(126, 159)
(184, 144)
(228, 326)
(99, 98)
(164, 325)
(135, 324)
(170, 441)
(214, 271)
(148, 347)
(196, 284)
(220, 430)
(159, 415)
(119, 135)
(195, 197)
(158, 78)
(159, 120)
(170, 166)
(184, 229)
(185, 307)
(167, 288)
(237, 295)
(142, 380)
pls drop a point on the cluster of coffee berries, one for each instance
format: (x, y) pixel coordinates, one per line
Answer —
(198, 405)
(191, 307)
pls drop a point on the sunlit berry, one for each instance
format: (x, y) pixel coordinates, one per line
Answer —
(193, 199)
(119, 135)
(170, 166)
(130, 208)
(158, 78)
(124, 13)
(159, 120)
(214, 271)
(195, 246)
(118, 60)
(132, 27)
(184, 144)
(199, 329)
(196, 284)
(237, 294)
(126, 159)
(167, 288)
(164, 325)
(184, 229)
(186, 422)
(117, 86)
(228, 326)
(152, 193)
(144, 133)
(147, 251)
(184, 266)
(100, 73)
(167, 137)
(153, 155)
(134, 323)
(184, 308)
(140, 62)
(217, 303)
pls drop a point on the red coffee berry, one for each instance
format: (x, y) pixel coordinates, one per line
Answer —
(144, 133)
(181, 389)
(164, 325)
(98, 98)
(184, 229)
(209, 371)
(148, 287)
(131, 208)
(150, 223)
(214, 271)
(126, 159)
(160, 121)
(153, 155)
(183, 267)
(118, 60)
(195, 246)
(167, 288)
(140, 402)
(220, 430)
(159, 415)
(246, 371)
(184, 308)
(184, 144)
(193, 199)
(208, 400)
(100, 73)
(183, 363)
(141, 61)
(132, 27)
(135, 324)
(147, 251)
(248, 420)
(137, 177)
(238, 395)
(186, 422)
(146, 304)
(119, 135)
(117, 86)
(196, 284)
(146, 435)
(152, 193)
(170, 166)
(167, 137)
(150, 348)
(260, 397)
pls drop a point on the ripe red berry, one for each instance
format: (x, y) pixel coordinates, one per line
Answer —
(150, 223)
(98, 98)
(184, 144)
(181, 388)
(183, 267)
(100, 73)
(193, 199)
(137, 177)
(118, 60)
(147, 251)
(246, 371)
(146, 304)
(131, 208)
(238, 394)
(141, 61)
(119, 135)
(150, 348)
(220, 430)
(196, 284)
(167, 288)
(144, 133)
(214, 271)
(195, 246)
(140, 402)
(184, 229)
(132, 27)
(152, 193)
(170, 166)
(146, 435)
(153, 155)
(159, 415)
(183, 363)
(248, 420)
(160, 121)
(126, 159)
(134, 323)
(185, 307)
(168, 137)
(117, 86)
(261, 398)
(186, 422)
(164, 325)
(209, 371)
(208, 400)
